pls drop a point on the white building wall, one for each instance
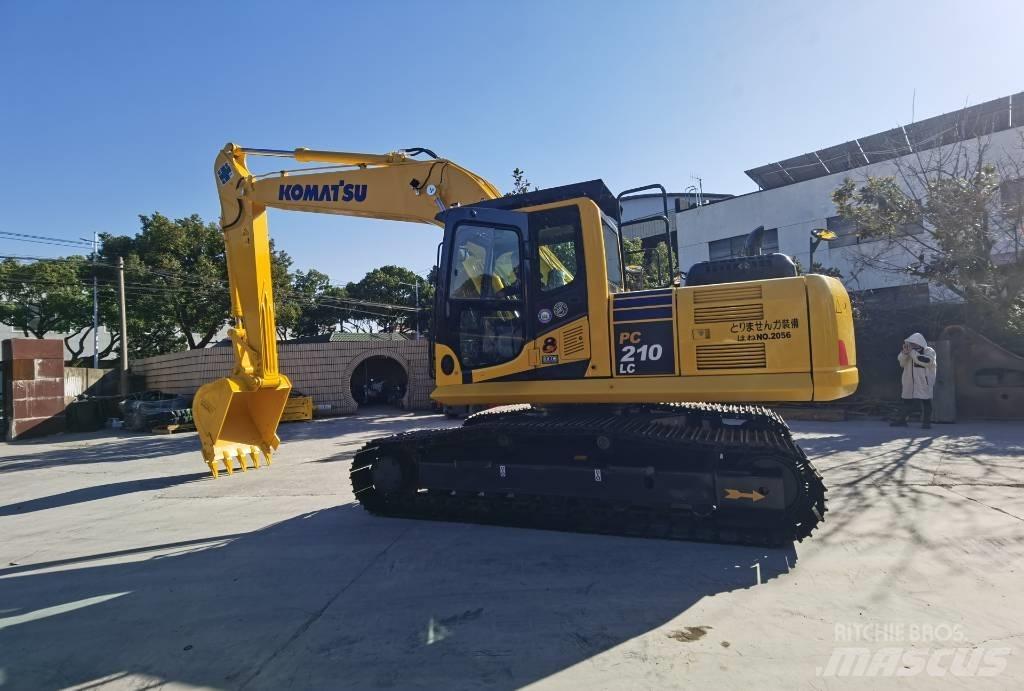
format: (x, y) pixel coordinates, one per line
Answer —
(799, 208)
(650, 204)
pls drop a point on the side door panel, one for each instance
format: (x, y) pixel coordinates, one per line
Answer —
(483, 280)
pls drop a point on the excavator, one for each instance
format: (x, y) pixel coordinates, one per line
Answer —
(603, 408)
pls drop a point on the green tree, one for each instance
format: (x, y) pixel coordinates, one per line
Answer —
(319, 305)
(646, 267)
(177, 278)
(955, 220)
(818, 268)
(391, 285)
(286, 308)
(49, 296)
(520, 184)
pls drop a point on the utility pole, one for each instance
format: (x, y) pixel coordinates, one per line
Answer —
(124, 327)
(95, 304)
(416, 287)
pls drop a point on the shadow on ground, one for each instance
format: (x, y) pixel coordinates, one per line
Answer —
(117, 446)
(338, 598)
(377, 421)
(99, 447)
(97, 492)
(888, 486)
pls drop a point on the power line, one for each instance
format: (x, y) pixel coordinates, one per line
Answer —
(22, 257)
(338, 302)
(43, 239)
(142, 289)
(44, 242)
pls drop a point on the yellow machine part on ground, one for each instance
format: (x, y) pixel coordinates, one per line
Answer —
(298, 409)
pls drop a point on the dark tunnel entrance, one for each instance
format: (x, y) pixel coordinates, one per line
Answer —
(379, 380)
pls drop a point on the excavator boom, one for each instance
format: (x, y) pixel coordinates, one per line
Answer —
(237, 416)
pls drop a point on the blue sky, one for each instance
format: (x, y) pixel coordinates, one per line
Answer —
(114, 109)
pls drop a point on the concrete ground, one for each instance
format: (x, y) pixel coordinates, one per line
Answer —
(123, 565)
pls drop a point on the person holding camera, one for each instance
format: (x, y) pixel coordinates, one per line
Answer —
(917, 359)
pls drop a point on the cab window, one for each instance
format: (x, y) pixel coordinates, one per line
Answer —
(486, 290)
(485, 264)
(612, 258)
(558, 250)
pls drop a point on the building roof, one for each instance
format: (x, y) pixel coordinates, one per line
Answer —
(968, 123)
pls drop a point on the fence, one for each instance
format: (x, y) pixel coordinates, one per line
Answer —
(321, 370)
(94, 382)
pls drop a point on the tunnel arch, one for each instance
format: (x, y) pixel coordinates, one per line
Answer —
(389, 362)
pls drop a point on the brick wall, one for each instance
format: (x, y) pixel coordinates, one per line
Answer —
(321, 370)
(33, 387)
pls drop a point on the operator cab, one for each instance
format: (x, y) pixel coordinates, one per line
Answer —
(525, 267)
(504, 276)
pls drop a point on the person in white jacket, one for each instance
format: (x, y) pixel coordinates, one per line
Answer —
(919, 367)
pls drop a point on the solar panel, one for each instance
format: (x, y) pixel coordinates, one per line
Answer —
(933, 132)
(985, 118)
(975, 121)
(842, 157)
(767, 177)
(885, 145)
(803, 167)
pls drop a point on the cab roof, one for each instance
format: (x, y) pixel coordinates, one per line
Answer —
(595, 190)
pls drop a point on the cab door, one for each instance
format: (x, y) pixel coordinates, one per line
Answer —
(482, 287)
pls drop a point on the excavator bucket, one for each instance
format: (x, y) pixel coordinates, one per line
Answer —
(235, 424)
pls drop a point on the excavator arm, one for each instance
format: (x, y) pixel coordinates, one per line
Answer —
(237, 416)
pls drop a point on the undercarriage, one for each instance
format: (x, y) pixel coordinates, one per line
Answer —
(707, 472)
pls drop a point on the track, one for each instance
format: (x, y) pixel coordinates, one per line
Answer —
(707, 472)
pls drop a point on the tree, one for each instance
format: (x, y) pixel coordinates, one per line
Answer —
(953, 219)
(317, 305)
(646, 267)
(176, 275)
(49, 296)
(818, 268)
(391, 285)
(520, 185)
(286, 309)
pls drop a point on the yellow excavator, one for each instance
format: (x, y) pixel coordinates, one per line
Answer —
(592, 424)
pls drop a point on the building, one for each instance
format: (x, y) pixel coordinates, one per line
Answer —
(645, 205)
(795, 195)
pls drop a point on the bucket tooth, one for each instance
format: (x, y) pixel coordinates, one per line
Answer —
(213, 469)
(254, 456)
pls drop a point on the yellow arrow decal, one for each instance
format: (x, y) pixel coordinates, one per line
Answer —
(752, 495)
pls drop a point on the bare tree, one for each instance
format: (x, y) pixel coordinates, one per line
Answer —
(951, 216)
